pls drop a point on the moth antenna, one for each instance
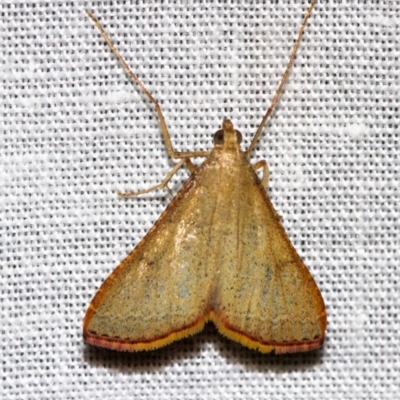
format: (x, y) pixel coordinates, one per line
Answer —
(161, 120)
(283, 81)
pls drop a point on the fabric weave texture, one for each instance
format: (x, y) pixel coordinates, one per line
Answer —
(75, 130)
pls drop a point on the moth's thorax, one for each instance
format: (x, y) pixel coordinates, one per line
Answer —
(226, 161)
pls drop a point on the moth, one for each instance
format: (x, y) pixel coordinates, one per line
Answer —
(217, 253)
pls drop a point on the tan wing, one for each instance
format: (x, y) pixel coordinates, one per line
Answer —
(160, 292)
(218, 251)
(265, 298)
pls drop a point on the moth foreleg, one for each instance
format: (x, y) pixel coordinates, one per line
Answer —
(165, 181)
(265, 177)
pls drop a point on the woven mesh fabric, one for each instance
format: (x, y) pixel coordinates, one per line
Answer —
(75, 130)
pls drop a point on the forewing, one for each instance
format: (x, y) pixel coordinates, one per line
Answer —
(160, 292)
(266, 298)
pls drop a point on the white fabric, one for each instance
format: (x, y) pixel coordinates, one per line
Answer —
(75, 130)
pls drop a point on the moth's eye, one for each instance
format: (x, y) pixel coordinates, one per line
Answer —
(239, 136)
(219, 137)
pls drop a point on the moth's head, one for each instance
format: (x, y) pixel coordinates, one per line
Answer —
(228, 136)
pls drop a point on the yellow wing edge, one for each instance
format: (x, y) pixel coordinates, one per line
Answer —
(223, 327)
(254, 343)
(139, 345)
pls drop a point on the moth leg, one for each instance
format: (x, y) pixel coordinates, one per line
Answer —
(190, 166)
(265, 178)
(165, 181)
(163, 125)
